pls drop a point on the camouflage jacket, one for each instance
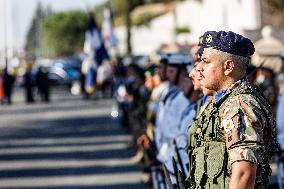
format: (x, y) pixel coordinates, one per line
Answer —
(238, 127)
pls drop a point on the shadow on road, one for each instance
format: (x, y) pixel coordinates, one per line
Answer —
(120, 186)
(65, 139)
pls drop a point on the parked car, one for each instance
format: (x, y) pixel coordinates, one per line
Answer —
(60, 73)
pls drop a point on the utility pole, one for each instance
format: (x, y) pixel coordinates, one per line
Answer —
(5, 34)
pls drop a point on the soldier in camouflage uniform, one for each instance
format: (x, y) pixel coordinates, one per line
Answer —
(232, 140)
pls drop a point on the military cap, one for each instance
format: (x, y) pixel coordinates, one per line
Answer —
(229, 42)
(199, 54)
(151, 70)
(199, 51)
(179, 59)
(182, 61)
(161, 58)
(138, 70)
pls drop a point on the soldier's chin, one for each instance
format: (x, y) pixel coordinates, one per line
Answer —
(203, 83)
(197, 87)
(206, 91)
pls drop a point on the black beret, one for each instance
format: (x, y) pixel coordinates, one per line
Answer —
(229, 42)
(138, 70)
(198, 54)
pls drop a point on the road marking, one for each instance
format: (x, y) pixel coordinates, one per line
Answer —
(65, 140)
(82, 180)
(63, 149)
(56, 164)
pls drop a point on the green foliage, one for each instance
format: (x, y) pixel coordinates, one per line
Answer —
(183, 29)
(277, 5)
(99, 12)
(64, 32)
(121, 10)
(118, 6)
(200, 1)
(33, 45)
(144, 19)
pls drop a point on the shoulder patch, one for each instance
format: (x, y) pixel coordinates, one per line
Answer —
(228, 125)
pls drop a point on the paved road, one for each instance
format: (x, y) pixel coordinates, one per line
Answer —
(68, 143)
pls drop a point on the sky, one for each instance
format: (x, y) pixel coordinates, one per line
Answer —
(19, 14)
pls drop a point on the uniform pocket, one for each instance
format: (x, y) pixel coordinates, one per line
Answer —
(215, 159)
(200, 164)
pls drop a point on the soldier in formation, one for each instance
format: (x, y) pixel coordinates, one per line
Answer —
(210, 126)
(232, 141)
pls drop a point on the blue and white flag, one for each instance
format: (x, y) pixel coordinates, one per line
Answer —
(95, 53)
(107, 30)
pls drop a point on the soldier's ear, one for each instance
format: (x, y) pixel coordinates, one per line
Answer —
(229, 66)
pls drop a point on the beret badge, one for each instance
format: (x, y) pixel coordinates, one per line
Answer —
(200, 40)
(209, 38)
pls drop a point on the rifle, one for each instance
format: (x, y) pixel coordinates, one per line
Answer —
(175, 168)
(179, 177)
(167, 178)
(179, 159)
(155, 178)
(158, 178)
(181, 180)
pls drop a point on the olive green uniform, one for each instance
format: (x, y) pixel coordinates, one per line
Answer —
(238, 127)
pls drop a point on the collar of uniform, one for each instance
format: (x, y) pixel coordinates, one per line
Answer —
(173, 88)
(237, 83)
(204, 100)
(220, 94)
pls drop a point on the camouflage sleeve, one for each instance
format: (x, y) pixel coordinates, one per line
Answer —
(241, 122)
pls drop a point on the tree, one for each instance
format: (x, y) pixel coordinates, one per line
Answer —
(129, 7)
(277, 5)
(64, 32)
(272, 12)
(121, 10)
(33, 39)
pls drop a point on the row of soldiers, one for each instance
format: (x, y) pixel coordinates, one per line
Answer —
(175, 112)
(174, 104)
(208, 125)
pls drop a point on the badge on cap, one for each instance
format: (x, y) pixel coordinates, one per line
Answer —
(201, 38)
(228, 125)
(209, 38)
